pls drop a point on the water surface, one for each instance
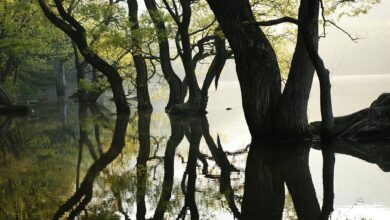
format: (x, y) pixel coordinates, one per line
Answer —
(66, 160)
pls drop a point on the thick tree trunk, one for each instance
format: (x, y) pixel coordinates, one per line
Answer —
(193, 104)
(174, 82)
(256, 64)
(292, 121)
(140, 64)
(268, 168)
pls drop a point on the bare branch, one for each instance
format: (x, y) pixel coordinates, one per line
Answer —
(277, 21)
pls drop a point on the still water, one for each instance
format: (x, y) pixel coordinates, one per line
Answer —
(67, 160)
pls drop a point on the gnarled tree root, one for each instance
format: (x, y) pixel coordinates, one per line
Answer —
(372, 123)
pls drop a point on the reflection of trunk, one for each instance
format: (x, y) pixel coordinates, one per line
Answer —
(61, 80)
(298, 180)
(175, 91)
(84, 139)
(177, 134)
(268, 167)
(83, 195)
(329, 160)
(143, 157)
(139, 62)
(62, 107)
(264, 188)
(193, 134)
(226, 168)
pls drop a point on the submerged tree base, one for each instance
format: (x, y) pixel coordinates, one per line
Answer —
(186, 110)
(14, 110)
(371, 123)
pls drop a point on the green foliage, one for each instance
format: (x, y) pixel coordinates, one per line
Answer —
(34, 45)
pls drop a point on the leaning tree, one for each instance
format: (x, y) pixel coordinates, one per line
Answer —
(273, 112)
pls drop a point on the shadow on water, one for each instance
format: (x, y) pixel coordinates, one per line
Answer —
(273, 171)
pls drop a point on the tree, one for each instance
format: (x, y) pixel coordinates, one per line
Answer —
(69, 25)
(195, 35)
(139, 61)
(270, 112)
(29, 51)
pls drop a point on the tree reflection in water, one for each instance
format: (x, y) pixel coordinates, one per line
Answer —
(157, 193)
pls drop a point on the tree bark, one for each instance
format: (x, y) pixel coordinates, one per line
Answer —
(309, 35)
(292, 121)
(256, 64)
(140, 64)
(214, 70)
(174, 82)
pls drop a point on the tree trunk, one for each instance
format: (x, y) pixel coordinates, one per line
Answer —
(309, 35)
(292, 121)
(256, 64)
(61, 80)
(140, 64)
(174, 82)
(214, 70)
(194, 90)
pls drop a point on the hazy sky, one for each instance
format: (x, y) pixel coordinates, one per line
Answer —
(371, 55)
(342, 56)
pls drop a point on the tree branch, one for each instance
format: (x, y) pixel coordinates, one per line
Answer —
(277, 21)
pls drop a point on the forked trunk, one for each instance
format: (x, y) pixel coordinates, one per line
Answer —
(174, 82)
(140, 64)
